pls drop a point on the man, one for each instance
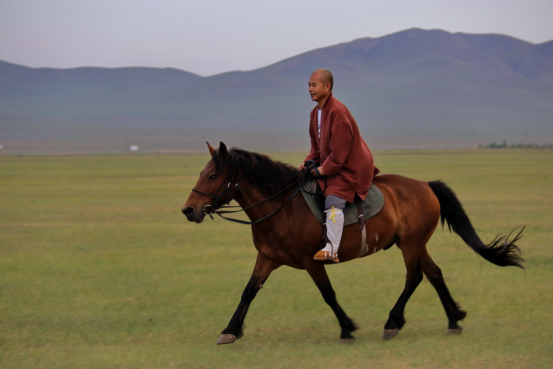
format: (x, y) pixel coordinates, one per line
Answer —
(341, 155)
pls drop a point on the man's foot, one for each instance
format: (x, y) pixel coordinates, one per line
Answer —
(326, 255)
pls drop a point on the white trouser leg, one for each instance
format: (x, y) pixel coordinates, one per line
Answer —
(334, 229)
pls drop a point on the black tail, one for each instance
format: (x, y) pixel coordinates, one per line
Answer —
(500, 251)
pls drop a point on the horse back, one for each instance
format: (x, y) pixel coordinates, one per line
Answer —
(402, 192)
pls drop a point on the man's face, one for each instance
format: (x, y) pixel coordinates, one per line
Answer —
(318, 90)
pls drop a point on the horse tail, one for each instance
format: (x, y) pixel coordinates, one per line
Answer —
(500, 251)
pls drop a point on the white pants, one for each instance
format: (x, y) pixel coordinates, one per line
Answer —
(334, 210)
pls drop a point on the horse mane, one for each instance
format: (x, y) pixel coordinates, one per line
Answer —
(268, 175)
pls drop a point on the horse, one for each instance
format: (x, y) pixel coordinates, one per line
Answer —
(285, 232)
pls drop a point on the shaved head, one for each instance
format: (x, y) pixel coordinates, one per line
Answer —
(325, 76)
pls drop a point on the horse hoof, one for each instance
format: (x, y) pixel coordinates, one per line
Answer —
(390, 333)
(226, 338)
(347, 341)
(454, 332)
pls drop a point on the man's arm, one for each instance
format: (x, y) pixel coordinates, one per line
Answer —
(314, 152)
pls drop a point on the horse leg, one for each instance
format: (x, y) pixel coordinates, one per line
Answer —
(396, 318)
(452, 309)
(318, 273)
(235, 329)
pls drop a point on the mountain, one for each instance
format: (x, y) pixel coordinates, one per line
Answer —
(18, 81)
(412, 89)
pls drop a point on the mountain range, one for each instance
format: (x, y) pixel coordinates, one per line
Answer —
(412, 89)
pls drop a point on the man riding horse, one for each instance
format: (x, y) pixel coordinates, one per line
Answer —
(285, 231)
(345, 167)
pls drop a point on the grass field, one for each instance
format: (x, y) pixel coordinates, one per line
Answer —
(99, 269)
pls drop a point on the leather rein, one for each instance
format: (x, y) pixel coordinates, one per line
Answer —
(215, 199)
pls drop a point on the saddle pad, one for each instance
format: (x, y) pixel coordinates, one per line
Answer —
(371, 206)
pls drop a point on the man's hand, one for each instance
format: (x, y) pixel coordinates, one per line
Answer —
(315, 172)
(318, 173)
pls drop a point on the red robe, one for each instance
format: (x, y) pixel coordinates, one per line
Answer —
(341, 151)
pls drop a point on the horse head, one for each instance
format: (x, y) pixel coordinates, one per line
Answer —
(213, 188)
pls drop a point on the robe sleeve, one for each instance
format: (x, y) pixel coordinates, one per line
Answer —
(314, 153)
(340, 144)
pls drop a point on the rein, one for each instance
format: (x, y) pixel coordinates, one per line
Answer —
(220, 212)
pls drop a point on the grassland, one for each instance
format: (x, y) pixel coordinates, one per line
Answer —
(99, 269)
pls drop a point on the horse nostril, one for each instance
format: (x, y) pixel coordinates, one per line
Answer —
(188, 211)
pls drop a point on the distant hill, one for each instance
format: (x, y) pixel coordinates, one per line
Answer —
(412, 89)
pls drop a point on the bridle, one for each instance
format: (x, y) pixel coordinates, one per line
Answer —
(215, 208)
(215, 199)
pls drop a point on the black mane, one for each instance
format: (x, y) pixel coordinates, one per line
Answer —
(268, 175)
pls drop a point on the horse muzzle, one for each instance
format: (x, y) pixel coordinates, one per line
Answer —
(192, 215)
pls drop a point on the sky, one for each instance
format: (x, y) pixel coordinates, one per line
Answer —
(211, 37)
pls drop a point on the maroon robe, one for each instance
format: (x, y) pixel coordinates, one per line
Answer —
(341, 151)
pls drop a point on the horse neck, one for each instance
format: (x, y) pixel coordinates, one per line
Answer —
(251, 195)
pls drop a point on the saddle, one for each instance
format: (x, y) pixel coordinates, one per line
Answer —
(353, 213)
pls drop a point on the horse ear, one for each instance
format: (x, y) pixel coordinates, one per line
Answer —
(211, 149)
(222, 150)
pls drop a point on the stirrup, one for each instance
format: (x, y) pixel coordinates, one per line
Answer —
(326, 255)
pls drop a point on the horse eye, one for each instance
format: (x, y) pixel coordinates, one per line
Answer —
(212, 176)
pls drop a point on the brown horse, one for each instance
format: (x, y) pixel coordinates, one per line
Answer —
(285, 232)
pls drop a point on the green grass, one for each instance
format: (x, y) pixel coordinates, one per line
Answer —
(99, 269)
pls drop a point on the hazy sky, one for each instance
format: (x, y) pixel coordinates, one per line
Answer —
(209, 37)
